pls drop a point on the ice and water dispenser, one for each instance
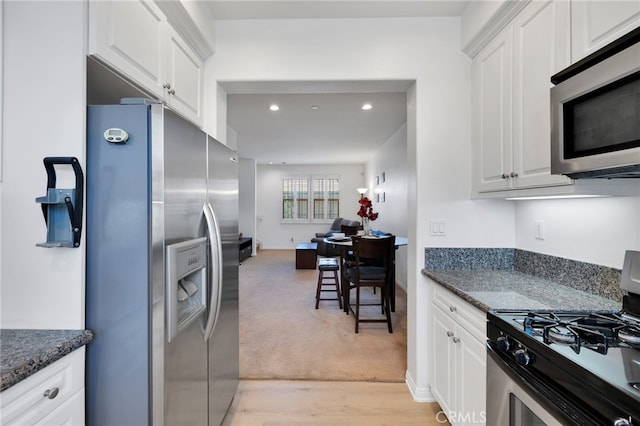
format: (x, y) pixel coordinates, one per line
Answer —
(186, 284)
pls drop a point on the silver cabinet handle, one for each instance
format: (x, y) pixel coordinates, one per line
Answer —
(51, 393)
(453, 308)
(449, 333)
(505, 176)
(169, 89)
(456, 340)
(513, 175)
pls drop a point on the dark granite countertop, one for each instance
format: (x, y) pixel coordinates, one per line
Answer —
(508, 289)
(24, 352)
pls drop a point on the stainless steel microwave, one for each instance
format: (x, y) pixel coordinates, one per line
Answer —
(595, 114)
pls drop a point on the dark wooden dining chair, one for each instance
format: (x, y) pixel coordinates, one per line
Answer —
(373, 267)
(349, 231)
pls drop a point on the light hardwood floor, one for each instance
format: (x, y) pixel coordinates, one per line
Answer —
(301, 403)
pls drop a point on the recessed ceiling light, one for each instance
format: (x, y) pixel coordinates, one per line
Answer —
(315, 107)
(274, 107)
(367, 107)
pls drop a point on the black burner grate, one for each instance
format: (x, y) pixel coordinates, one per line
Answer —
(594, 331)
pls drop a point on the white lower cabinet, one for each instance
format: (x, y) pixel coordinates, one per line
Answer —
(52, 396)
(458, 368)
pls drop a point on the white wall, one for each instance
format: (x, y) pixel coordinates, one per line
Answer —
(391, 159)
(44, 100)
(247, 222)
(594, 230)
(426, 50)
(275, 235)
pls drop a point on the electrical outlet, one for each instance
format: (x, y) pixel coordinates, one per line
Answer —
(539, 230)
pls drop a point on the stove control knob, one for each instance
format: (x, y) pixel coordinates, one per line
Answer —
(522, 357)
(504, 343)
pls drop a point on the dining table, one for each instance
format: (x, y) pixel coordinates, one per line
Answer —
(344, 244)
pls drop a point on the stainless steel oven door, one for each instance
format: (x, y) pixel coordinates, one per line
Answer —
(510, 402)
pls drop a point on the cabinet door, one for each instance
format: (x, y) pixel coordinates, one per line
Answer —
(443, 383)
(492, 104)
(129, 35)
(25, 403)
(471, 378)
(595, 23)
(541, 48)
(184, 75)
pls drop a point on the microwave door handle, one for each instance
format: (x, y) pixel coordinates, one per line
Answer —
(215, 270)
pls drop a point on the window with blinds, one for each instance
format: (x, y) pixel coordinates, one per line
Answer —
(310, 199)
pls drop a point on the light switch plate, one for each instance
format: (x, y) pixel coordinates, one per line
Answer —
(437, 228)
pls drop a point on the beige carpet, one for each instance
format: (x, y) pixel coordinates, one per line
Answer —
(283, 336)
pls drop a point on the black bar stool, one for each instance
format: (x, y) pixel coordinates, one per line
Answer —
(328, 265)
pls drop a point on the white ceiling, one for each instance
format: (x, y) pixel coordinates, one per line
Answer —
(312, 9)
(338, 131)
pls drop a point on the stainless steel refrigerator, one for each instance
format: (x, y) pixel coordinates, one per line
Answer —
(162, 269)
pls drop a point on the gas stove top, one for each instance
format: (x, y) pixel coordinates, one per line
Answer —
(594, 357)
(588, 363)
(595, 331)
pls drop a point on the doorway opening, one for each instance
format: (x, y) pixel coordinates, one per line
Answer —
(246, 105)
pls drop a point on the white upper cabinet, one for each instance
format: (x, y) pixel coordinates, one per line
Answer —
(129, 35)
(135, 38)
(594, 24)
(541, 48)
(492, 114)
(184, 78)
(511, 108)
(514, 56)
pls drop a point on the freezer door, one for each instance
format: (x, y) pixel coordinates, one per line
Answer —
(117, 269)
(185, 357)
(222, 195)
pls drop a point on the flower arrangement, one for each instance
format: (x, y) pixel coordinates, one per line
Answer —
(366, 210)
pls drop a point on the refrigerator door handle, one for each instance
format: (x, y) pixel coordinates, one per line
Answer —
(215, 277)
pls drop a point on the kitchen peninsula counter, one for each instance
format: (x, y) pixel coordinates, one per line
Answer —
(23, 352)
(502, 278)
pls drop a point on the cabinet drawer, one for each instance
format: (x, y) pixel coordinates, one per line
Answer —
(467, 315)
(70, 413)
(26, 403)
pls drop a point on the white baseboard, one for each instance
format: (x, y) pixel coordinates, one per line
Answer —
(419, 394)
